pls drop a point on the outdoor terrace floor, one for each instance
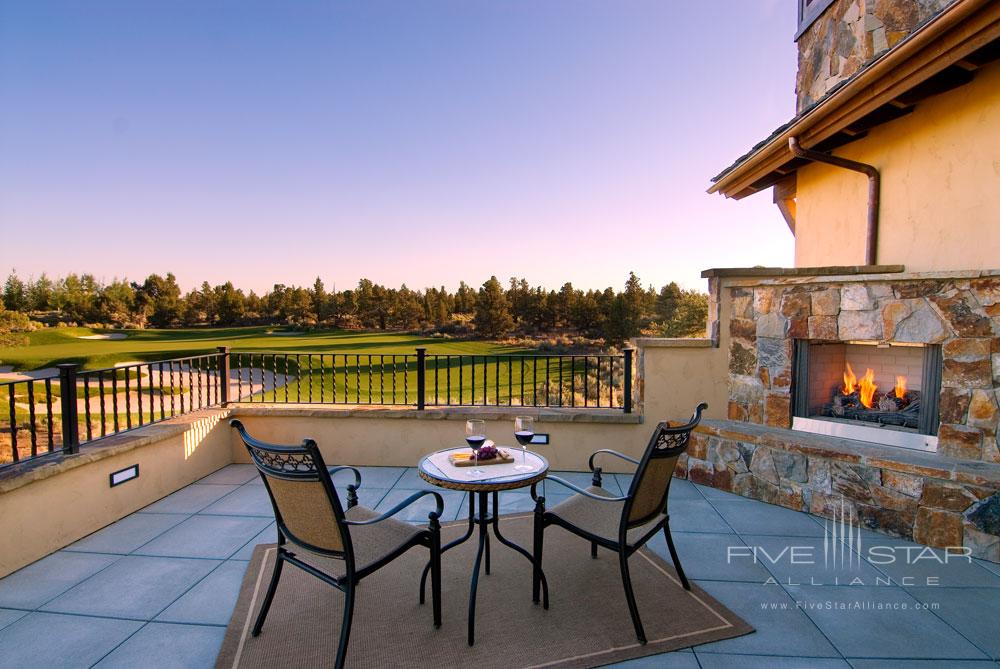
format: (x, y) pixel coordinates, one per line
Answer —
(162, 583)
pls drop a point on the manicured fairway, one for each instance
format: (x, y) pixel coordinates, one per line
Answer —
(54, 345)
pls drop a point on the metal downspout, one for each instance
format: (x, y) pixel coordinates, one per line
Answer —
(873, 188)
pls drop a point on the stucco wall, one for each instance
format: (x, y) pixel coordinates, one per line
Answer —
(940, 170)
(52, 509)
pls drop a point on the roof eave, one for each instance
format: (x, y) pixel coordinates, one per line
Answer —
(957, 31)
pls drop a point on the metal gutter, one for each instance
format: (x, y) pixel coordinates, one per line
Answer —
(871, 242)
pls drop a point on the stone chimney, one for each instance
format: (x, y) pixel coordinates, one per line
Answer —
(850, 33)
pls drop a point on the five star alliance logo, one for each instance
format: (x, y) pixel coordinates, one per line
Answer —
(842, 539)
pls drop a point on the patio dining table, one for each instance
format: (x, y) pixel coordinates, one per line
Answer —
(438, 470)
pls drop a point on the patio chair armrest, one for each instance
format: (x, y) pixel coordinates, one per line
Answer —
(581, 491)
(593, 455)
(433, 515)
(357, 474)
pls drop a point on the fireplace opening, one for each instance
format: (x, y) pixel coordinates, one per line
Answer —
(874, 391)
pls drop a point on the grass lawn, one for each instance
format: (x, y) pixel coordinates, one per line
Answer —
(54, 345)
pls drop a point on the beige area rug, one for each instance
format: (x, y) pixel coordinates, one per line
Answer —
(587, 623)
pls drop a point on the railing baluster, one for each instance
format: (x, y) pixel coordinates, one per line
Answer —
(627, 380)
(152, 396)
(31, 418)
(447, 364)
(597, 359)
(100, 389)
(510, 380)
(322, 379)
(496, 379)
(461, 380)
(15, 456)
(586, 381)
(86, 405)
(572, 381)
(381, 379)
(114, 399)
(159, 371)
(173, 408)
(522, 381)
(436, 400)
(309, 359)
(128, 398)
(534, 380)
(560, 362)
(548, 390)
(48, 413)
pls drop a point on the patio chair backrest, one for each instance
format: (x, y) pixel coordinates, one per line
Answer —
(306, 506)
(647, 496)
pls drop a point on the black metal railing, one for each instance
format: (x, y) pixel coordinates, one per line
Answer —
(422, 380)
(59, 413)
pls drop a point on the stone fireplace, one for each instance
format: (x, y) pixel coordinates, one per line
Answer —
(918, 458)
(891, 399)
(958, 317)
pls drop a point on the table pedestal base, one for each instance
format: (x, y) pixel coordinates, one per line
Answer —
(485, 520)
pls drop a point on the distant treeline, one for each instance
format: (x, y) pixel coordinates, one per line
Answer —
(492, 311)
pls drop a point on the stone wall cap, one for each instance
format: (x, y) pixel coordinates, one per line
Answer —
(806, 278)
(799, 271)
(673, 342)
(544, 415)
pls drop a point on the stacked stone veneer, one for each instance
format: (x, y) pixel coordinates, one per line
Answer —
(949, 498)
(849, 34)
(963, 316)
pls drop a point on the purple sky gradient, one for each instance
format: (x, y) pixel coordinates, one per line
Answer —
(416, 142)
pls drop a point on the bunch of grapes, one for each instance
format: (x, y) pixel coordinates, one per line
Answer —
(488, 452)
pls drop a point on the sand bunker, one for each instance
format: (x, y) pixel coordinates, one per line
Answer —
(113, 335)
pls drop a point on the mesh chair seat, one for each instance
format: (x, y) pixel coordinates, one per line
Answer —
(374, 542)
(600, 518)
(371, 542)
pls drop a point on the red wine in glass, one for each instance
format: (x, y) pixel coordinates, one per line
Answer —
(475, 437)
(524, 431)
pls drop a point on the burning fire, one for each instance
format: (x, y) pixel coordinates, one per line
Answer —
(900, 389)
(867, 388)
(850, 380)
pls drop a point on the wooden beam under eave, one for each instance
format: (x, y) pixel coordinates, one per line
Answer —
(784, 196)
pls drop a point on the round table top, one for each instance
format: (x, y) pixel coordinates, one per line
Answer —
(435, 468)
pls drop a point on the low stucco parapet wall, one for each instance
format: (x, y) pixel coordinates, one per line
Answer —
(71, 496)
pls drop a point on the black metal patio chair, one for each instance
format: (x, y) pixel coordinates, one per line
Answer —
(310, 516)
(622, 524)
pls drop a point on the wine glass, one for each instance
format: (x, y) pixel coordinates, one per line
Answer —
(524, 431)
(475, 437)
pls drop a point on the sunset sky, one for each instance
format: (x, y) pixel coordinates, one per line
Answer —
(417, 142)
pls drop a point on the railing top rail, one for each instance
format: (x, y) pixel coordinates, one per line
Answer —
(143, 363)
(40, 379)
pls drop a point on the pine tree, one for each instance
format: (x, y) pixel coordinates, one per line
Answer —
(493, 317)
